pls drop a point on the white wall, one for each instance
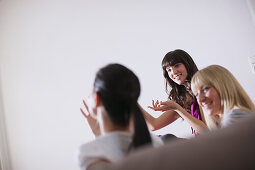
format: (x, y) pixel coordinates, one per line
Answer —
(4, 151)
(50, 51)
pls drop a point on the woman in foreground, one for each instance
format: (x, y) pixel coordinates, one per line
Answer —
(114, 117)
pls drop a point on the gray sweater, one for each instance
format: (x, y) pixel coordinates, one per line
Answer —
(233, 115)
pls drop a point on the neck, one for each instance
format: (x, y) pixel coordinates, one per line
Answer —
(188, 87)
(106, 124)
(186, 84)
(109, 129)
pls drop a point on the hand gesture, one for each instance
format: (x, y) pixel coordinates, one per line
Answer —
(164, 106)
(155, 105)
(93, 123)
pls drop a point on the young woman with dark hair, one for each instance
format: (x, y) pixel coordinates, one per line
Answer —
(178, 69)
(115, 117)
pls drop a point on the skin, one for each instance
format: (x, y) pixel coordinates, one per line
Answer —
(163, 120)
(90, 116)
(97, 117)
(171, 110)
(178, 73)
(99, 122)
(198, 125)
(209, 100)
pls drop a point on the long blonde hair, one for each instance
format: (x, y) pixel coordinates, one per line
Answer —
(229, 89)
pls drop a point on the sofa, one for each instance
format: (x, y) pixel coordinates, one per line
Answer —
(231, 148)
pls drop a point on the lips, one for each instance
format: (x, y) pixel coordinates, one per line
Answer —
(177, 77)
(207, 105)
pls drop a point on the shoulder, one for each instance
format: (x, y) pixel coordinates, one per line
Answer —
(233, 115)
(156, 141)
(236, 113)
(110, 147)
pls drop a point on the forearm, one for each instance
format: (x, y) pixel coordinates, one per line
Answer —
(150, 120)
(163, 120)
(195, 123)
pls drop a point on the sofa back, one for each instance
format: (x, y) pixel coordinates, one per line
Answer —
(232, 147)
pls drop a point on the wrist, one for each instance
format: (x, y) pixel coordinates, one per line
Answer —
(178, 107)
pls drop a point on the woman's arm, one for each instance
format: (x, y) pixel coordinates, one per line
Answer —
(163, 120)
(196, 124)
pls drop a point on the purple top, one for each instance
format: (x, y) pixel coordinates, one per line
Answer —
(194, 111)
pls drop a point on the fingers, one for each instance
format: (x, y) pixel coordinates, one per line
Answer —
(84, 114)
(151, 107)
(159, 108)
(155, 104)
(86, 107)
(165, 103)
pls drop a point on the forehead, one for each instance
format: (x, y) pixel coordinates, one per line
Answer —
(170, 66)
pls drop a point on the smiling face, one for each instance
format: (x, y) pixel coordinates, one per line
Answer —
(208, 98)
(178, 73)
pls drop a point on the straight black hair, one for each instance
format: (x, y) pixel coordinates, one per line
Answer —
(119, 88)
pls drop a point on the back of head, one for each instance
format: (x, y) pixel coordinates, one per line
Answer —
(178, 92)
(230, 91)
(119, 89)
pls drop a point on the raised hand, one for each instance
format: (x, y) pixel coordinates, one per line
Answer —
(164, 106)
(155, 105)
(93, 123)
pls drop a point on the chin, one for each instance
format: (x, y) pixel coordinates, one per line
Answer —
(213, 113)
(179, 82)
(209, 112)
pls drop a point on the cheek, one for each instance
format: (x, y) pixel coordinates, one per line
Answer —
(218, 102)
(216, 99)
(198, 100)
(185, 71)
(170, 75)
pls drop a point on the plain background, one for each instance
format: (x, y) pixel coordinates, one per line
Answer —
(51, 50)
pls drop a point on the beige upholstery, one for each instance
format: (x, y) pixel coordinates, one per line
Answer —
(229, 148)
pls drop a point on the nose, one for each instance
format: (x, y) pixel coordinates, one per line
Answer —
(174, 70)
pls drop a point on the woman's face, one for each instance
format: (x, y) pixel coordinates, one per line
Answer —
(178, 73)
(208, 98)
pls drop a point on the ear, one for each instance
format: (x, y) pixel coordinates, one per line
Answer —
(95, 103)
(97, 99)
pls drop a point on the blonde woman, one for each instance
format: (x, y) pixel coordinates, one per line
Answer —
(221, 97)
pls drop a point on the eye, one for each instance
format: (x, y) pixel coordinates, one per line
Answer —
(168, 69)
(206, 88)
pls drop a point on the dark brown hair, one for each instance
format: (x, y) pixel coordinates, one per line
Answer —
(178, 92)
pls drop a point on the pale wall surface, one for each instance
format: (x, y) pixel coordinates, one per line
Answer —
(50, 51)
